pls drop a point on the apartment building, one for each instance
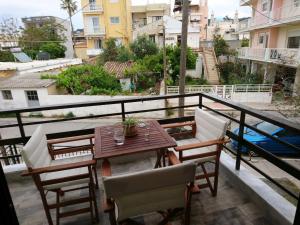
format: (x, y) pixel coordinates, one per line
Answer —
(105, 19)
(274, 41)
(146, 14)
(198, 16)
(38, 21)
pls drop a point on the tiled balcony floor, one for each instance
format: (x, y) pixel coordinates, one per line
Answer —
(230, 207)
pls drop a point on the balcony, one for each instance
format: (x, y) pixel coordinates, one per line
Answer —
(94, 51)
(286, 56)
(94, 31)
(280, 16)
(93, 8)
(243, 196)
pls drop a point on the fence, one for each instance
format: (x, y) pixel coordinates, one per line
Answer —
(243, 110)
(239, 93)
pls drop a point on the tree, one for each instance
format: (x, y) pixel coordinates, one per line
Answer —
(110, 51)
(124, 54)
(9, 31)
(71, 7)
(183, 50)
(33, 37)
(220, 45)
(88, 79)
(143, 46)
(55, 50)
(245, 42)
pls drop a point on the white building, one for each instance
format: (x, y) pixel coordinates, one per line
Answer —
(172, 32)
(40, 20)
(227, 28)
(146, 14)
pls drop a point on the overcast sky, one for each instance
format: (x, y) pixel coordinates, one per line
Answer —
(23, 8)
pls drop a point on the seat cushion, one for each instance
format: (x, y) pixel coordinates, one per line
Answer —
(209, 127)
(195, 150)
(35, 153)
(67, 173)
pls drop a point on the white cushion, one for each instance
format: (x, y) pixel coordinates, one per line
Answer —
(35, 153)
(209, 127)
(195, 151)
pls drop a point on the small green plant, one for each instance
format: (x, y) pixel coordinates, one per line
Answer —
(48, 76)
(36, 115)
(130, 121)
(69, 115)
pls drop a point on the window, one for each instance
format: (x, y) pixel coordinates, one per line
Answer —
(32, 95)
(264, 6)
(7, 95)
(95, 21)
(114, 20)
(155, 18)
(114, 1)
(294, 42)
(297, 3)
(118, 41)
(98, 43)
(261, 38)
(152, 38)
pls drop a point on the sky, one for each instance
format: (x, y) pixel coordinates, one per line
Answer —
(27, 8)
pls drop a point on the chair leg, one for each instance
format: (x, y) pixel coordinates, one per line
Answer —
(57, 209)
(96, 176)
(216, 178)
(93, 195)
(46, 207)
(207, 179)
(91, 185)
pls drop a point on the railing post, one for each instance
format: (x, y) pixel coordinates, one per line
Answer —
(240, 140)
(123, 110)
(21, 127)
(8, 214)
(297, 215)
(200, 101)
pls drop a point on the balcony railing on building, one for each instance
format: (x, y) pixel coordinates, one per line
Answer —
(287, 56)
(95, 31)
(91, 8)
(288, 13)
(94, 51)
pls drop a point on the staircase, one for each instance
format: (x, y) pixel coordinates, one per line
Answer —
(210, 61)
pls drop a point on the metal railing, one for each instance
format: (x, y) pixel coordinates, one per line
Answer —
(287, 56)
(93, 8)
(222, 90)
(243, 110)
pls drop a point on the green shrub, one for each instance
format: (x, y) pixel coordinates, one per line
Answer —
(195, 81)
(87, 78)
(54, 49)
(69, 115)
(143, 46)
(32, 53)
(6, 56)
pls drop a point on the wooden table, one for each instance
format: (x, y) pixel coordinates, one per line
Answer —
(159, 141)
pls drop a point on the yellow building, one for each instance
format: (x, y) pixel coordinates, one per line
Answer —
(105, 19)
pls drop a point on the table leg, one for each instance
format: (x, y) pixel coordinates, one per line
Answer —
(160, 157)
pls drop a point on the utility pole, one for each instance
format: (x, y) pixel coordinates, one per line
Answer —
(165, 63)
(183, 51)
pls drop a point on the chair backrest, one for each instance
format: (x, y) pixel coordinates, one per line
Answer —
(149, 191)
(208, 126)
(35, 153)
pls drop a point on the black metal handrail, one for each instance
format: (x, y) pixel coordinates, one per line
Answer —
(244, 110)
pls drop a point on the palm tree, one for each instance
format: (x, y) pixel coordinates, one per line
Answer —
(71, 8)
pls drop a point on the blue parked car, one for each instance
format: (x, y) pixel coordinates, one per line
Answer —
(268, 143)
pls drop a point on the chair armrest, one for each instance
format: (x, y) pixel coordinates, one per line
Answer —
(199, 145)
(174, 125)
(173, 158)
(62, 167)
(106, 169)
(70, 139)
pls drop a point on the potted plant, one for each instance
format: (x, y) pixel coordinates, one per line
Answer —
(129, 125)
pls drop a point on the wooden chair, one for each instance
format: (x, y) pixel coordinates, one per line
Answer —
(165, 190)
(206, 146)
(59, 176)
